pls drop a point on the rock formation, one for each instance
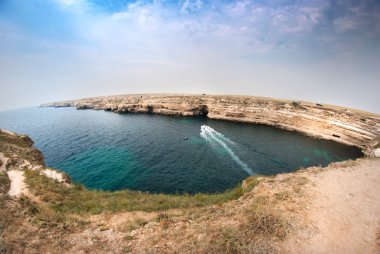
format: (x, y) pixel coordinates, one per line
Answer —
(17, 154)
(343, 125)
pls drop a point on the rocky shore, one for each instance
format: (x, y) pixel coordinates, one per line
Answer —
(343, 125)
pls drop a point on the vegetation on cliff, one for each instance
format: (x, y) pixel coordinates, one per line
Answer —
(79, 200)
(263, 215)
(16, 147)
(61, 210)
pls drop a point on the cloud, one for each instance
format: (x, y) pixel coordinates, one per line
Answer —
(238, 8)
(344, 24)
(175, 31)
(359, 17)
(191, 6)
(186, 42)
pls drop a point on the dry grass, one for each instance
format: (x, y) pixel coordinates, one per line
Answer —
(79, 200)
(132, 224)
(260, 226)
(254, 227)
(5, 216)
(32, 228)
(283, 195)
(266, 221)
(3, 247)
(200, 223)
(4, 183)
(21, 146)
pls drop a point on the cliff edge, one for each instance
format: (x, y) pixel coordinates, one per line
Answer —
(343, 125)
(316, 210)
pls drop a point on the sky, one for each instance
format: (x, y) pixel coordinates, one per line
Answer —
(314, 50)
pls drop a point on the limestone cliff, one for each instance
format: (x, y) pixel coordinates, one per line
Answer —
(343, 125)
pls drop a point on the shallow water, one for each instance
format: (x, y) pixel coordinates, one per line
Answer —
(154, 153)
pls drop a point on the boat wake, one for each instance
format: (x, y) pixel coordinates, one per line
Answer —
(214, 137)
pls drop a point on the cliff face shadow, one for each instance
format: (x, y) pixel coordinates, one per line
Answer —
(203, 110)
(150, 109)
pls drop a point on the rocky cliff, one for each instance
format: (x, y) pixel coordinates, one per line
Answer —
(343, 125)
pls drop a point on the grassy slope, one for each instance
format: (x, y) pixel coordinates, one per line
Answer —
(4, 183)
(60, 201)
(59, 211)
(21, 146)
(79, 200)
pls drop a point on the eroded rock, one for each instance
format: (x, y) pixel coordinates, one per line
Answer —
(350, 127)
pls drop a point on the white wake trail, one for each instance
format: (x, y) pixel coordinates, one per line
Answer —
(220, 136)
(207, 130)
(211, 135)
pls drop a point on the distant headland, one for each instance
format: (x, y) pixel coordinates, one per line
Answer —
(344, 125)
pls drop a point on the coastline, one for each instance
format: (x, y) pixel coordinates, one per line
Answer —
(293, 212)
(343, 125)
(313, 210)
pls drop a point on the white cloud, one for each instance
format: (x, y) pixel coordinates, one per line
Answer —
(191, 6)
(152, 46)
(237, 9)
(362, 17)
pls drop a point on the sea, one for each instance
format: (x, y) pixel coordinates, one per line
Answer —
(165, 154)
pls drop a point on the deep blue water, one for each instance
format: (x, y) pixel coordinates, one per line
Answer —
(103, 150)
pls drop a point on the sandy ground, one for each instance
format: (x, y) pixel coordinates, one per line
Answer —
(343, 211)
(17, 183)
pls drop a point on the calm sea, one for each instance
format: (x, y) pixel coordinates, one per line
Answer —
(154, 153)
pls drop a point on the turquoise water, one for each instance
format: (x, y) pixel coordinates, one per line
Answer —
(108, 151)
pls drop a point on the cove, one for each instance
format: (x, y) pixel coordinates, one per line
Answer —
(164, 154)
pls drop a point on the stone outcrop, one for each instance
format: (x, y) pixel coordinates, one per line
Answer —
(343, 125)
(19, 150)
(18, 154)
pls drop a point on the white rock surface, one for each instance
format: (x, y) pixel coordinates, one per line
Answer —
(18, 186)
(53, 174)
(8, 132)
(376, 152)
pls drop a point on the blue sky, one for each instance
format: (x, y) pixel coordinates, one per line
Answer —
(323, 51)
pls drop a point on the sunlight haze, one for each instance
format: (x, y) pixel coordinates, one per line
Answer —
(320, 51)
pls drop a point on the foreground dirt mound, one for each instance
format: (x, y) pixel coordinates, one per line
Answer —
(343, 210)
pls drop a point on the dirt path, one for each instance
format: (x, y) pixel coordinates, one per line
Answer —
(343, 211)
(17, 183)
